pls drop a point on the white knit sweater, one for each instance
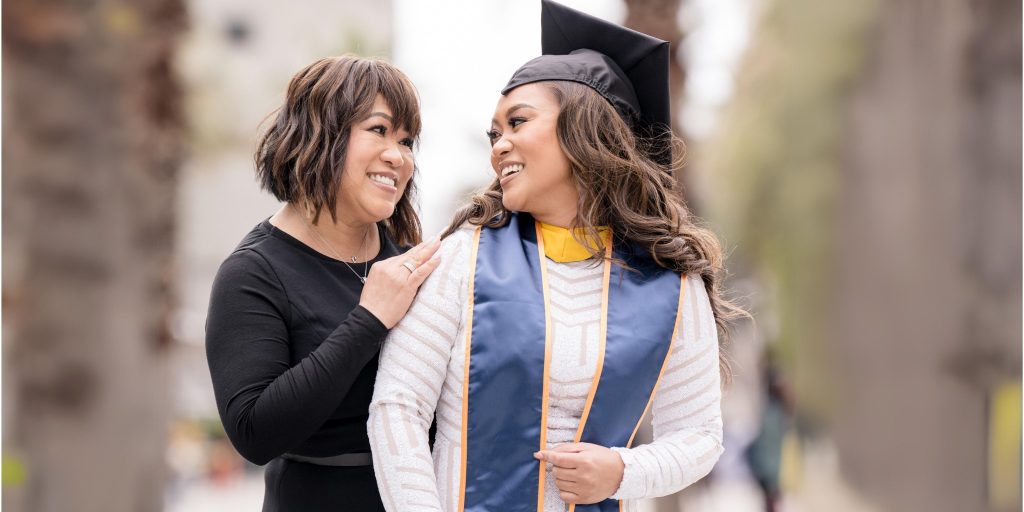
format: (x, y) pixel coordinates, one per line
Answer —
(421, 370)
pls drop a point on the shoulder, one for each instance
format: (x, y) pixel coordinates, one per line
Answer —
(389, 246)
(695, 290)
(697, 314)
(459, 242)
(249, 260)
(454, 267)
(244, 272)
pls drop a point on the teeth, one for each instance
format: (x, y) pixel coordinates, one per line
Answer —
(511, 169)
(383, 179)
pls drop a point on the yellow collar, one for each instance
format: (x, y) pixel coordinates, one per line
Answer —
(560, 246)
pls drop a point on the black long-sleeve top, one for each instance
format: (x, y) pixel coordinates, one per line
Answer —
(292, 355)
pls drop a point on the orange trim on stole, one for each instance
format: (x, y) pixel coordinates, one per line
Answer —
(547, 365)
(664, 364)
(465, 370)
(602, 337)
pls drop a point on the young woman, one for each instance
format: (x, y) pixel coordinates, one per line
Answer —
(299, 310)
(576, 294)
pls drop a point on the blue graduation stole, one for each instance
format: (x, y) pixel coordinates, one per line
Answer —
(508, 353)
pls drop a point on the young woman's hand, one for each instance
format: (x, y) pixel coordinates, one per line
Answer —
(392, 283)
(584, 473)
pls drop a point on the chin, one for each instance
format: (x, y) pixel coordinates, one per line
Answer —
(511, 204)
(383, 212)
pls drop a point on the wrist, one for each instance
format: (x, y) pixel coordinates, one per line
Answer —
(631, 483)
(374, 318)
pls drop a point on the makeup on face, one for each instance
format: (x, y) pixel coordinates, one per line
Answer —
(378, 165)
(533, 171)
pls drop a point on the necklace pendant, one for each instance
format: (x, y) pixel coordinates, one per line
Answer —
(353, 260)
(362, 279)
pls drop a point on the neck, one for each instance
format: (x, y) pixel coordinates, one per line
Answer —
(344, 238)
(562, 219)
(343, 233)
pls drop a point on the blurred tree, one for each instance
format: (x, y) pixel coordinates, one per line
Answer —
(660, 18)
(870, 167)
(92, 131)
(928, 309)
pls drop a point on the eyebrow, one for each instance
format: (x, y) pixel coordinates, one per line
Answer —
(512, 109)
(382, 114)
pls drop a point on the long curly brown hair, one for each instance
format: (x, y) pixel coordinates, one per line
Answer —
(301, 157)
(620, 186)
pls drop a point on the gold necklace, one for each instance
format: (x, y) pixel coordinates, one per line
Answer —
(337, 255)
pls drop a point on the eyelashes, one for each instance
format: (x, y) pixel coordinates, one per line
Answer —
(383, 131)
(493, 135)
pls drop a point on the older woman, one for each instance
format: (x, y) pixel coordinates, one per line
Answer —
(299, 310)
(576, 295)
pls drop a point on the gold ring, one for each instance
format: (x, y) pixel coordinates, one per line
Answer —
(410, 265)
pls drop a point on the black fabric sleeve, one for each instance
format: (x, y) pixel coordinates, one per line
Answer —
(267, 407)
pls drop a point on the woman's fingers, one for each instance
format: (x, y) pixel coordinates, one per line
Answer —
(416, 258)
(422, 252)
(420, 274)
(419, 246)
(583, 472)
(561, 459)
(393, 282)
(561, 475)
(428, 250)
(569, 497)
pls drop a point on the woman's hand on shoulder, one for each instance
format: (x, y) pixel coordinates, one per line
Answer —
(584, 472)
(391, 284)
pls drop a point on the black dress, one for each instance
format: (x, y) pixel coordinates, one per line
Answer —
(293, 360)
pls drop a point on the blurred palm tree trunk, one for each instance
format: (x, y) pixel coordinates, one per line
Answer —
(660, 18)
(93, 133)
(870, 166)
(929, 281)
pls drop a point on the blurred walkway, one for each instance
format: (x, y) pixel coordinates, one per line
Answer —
(819, 488)
(243, 494)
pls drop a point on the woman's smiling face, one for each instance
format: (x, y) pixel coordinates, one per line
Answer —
(534, 172)
(378, 166)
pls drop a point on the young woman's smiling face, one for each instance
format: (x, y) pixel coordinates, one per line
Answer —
(535, 174)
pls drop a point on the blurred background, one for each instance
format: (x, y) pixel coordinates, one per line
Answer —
(861, 161)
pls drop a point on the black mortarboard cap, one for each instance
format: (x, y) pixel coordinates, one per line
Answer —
(628, 68)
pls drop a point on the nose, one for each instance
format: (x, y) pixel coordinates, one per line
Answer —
(393, 156)
(501, 147)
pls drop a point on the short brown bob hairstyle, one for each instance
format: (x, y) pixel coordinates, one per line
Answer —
(301, 156)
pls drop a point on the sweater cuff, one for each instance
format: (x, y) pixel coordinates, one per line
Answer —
(632, 484)
(363, 319)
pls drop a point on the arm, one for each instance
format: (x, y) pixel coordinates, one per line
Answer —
(686, 410)
(266, 405)
(412, 372)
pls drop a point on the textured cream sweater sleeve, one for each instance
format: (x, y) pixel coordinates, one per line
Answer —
(687, 416)
(413, 366)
